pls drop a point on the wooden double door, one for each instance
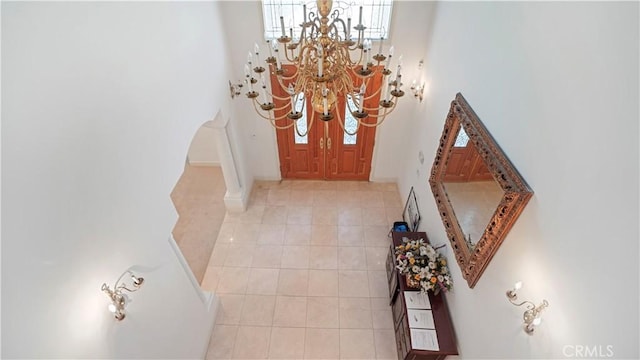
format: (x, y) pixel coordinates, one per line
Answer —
(465, 164)
(326, 152)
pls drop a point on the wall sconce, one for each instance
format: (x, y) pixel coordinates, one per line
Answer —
(118, 299)
(418, 89)
(234, 89)
(531, 316)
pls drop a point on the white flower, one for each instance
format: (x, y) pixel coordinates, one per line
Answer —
(423, 251)
(415, 269)
(440, 278)
(432, 265)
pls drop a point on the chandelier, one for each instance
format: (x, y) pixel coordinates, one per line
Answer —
(323, 65)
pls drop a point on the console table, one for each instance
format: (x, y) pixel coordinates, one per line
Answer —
(438, 307)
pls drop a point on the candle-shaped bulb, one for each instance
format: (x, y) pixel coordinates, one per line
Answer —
(360, 17)
(517, 286)
(264, 90)
(293, 99)
(256, 48)
(381, 41)
(270, 48)
(304, 13)
(282, 26)
(388, 91)
(537, 321)
(278, 61)
(391, 51)
(363, 89)
(247, 72)
(250, 57)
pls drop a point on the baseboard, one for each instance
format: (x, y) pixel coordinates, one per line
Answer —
(384, 180)
(236, 202)
(267, 178)
(204, 163)
(213, 308)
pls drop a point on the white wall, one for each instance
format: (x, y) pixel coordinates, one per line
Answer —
(410, 21)
(556, 83)
(256, 137)
(202, 151)
(100, 102)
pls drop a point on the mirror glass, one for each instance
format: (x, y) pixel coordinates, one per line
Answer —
(478, 191)
(473, 193)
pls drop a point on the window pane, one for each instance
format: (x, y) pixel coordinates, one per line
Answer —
(462, 139)
(302, 122)
(376, 15)
(350, 123)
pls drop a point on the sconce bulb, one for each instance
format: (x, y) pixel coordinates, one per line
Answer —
(537, 321)
(137, 281)
(119, 315)
(517, 286)
(112, 308)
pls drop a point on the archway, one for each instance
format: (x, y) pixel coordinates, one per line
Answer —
(199, 200)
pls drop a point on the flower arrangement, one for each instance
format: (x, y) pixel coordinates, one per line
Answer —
(423, 266)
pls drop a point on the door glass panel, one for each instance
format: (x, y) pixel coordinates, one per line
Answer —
(462, 139)
(350, 123)
(302, 122)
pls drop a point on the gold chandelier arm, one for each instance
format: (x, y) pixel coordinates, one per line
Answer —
(281, 79)
(290, 77)
(378, 90)
(386, 112)
(383, 117)
(274, 96)
(258, 111)
(281, 98)
(273, 123)
(309, 126)
(342, 125)
(283, 107)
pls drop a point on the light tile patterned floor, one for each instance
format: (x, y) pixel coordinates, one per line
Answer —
(301, 275)
(199, 200)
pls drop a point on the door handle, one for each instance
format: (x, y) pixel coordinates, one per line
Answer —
(329, 143)
(321, 143)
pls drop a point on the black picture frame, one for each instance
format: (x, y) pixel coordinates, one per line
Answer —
(411, 213)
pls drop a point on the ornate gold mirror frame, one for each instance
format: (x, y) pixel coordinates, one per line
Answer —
(473, 258)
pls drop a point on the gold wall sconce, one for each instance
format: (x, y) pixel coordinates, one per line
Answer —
(531, 316)
(417, 88)
(117, 297)
(234, 89)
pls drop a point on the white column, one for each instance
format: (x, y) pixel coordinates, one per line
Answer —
(236, 197)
